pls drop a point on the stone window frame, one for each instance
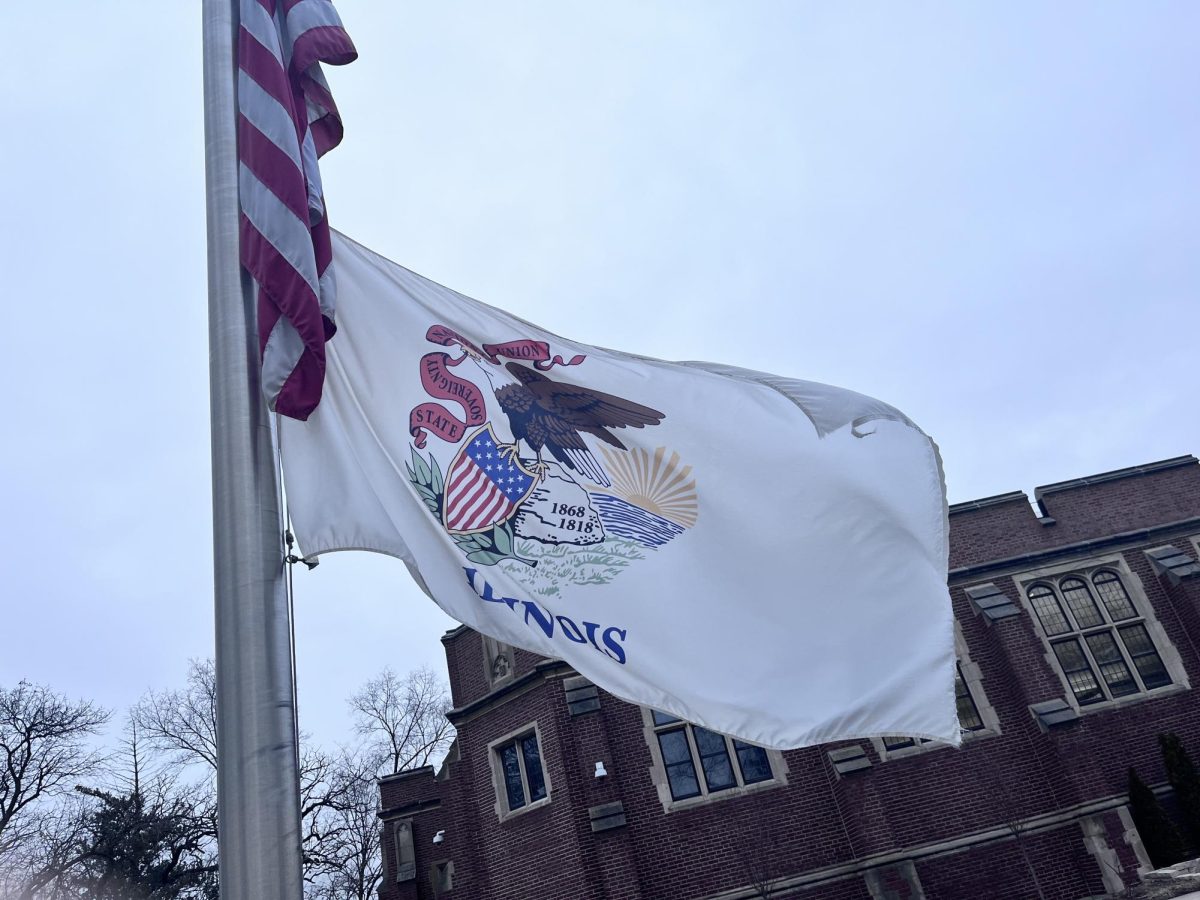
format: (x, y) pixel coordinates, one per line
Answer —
(1147, 615)
(401, 842)
(658, 770)
(493, 651)
(1194, 540)
(441, 876)
(503, 813)
(973, 676)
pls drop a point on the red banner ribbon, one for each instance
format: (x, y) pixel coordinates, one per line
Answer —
(442, 384)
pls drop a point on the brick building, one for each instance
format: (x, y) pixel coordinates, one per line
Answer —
(1077, 625)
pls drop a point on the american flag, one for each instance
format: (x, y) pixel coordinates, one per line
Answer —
(483, 487)
(286, 120)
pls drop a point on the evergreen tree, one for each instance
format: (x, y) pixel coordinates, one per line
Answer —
(1159, 834)
(143, 846)
(144, 836)
(1181, 773)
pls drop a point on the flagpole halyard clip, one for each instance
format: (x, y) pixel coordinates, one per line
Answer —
(291, 559)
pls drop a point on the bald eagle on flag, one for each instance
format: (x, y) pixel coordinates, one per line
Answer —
(550, 414)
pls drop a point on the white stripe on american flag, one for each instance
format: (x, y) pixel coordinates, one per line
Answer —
(267, 115)
(288, 235)
(463, 483)
(261, 24)
(480, 504)
(488, 516)
(472, 502)
(310, 14)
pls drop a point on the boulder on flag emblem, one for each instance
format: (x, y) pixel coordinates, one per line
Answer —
(485, 485)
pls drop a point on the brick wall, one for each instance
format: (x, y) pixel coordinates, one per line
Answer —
(938, 822)
(1081, 511)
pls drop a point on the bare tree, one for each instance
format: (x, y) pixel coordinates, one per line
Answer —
(184, 722)
(347, 863)
(134, 832)
(403, 722)
(45, 745)
(1009, 807)
(34, 871)
(404, 719)
(756, 848)
(326, 789)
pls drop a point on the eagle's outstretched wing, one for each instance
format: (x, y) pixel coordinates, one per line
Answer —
(586, 409)
(562, 411)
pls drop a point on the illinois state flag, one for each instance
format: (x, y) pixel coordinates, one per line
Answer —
(762, 556)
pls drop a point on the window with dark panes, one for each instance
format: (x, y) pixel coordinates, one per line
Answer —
(968, 715)
(968, 711)
(700, 762)
(1098, 636)
(521, 768)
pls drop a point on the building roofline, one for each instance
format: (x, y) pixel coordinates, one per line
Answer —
(1162, 465)
(407, 773)
(454, 632)
(997, 500)
(1115, 475)
(1092, 545)
(541, 670)
(408, 809)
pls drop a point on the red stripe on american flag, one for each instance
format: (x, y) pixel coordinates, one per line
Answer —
(286, 288)
(259, 63)
(272, 167)
(468, 505)
(464, 482)
(488, 516)
(322, 44)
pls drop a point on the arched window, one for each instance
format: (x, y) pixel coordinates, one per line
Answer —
(1079, 600)
(1045, 604)
(1113, 595)
(1104, 649)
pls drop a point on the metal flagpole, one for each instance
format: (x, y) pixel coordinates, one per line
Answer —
(258, 793)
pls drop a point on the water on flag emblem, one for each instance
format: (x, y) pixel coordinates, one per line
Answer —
(485, 485)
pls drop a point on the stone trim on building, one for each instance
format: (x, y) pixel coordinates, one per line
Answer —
(405, 854)
(503, 813)
(973, 676)
(1133, 838)
(658, 774)
(499, 663)
(1085, 568)
(1015, 565)
(991, 602)
(1031, 825)
(549, 668)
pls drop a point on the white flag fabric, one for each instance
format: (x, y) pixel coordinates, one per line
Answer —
(762, 556)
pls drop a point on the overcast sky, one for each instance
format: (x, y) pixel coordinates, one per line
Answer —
(987, 215)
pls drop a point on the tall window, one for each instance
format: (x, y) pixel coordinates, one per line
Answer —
(520, 761)
(969, 718)
(701, 762)
(1097, 635)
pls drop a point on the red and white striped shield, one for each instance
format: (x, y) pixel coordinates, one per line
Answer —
(484, 485)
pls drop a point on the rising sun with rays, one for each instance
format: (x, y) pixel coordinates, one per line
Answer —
(657, 483)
